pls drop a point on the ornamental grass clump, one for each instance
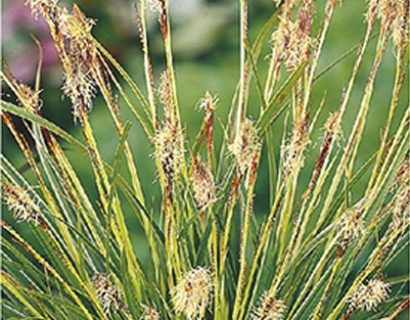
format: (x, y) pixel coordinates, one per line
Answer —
(320, 243)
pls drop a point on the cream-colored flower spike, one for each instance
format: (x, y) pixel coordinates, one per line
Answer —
(150, 313)
(192, 294)
(394, 18)
(269, 308)
(79, 84)
(245, 144)
(39, 7)
(293, 150)
(401, 207)
(203, 184)
(292, 39)
(107, 292)
(369, 296)
(19, 202)
(352, 224)
(168, 149)
(29, 97)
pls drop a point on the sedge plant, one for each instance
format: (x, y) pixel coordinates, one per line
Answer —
(319, 252)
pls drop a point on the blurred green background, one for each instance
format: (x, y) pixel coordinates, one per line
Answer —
(206, 58)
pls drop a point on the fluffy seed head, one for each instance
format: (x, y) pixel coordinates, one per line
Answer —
(40, 7)
(76, 49)
(403, 173)
(401, 207)
(400, 25)
(293, 150)
(79, 87)
(369, 296)
(400, 188)
(168, 149)
(388, 11)
(292, 40)
(269, 308)
(107, 292)
(75, 25)
(371, 13)
(394, 18)
(166, 96)
(244, 146)
(19, 202)
(402, 203)
(352, 225)
(29, 97)
(150, 313)
(208, 102)
(79, 60)
(203, 184)
(192, 294)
